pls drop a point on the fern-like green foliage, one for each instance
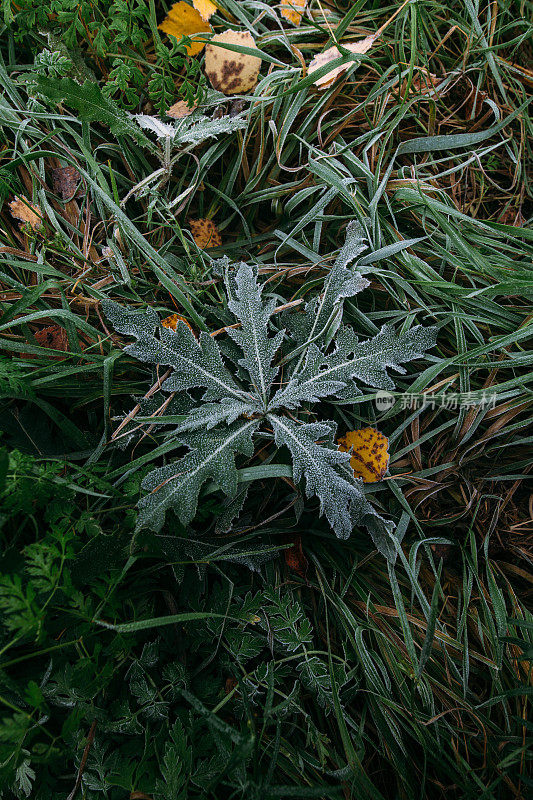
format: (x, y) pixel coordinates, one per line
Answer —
(88, 100)
(92, 105)
(248, 392)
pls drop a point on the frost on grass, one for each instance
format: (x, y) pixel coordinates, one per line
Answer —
(235, 392)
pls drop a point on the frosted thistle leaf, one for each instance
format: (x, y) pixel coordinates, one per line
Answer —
(204, 128)
(196, 364)
(190, 131)
(381, 530)
(367, 361)
(177, 485)
(311, 384)
(155, 125)
(252, 337)
(152, 407)
(316, 462)
(131, 323)
(237, 400)
(211, 414)
(322, 314)
(231, 508)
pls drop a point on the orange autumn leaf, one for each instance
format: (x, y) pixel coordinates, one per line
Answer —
(184, 20)
(205, 233)
(228, 71)
(293, 10)
(361, 47)
(205, 8)
(370, 455)
(171, 322)
(26, 212)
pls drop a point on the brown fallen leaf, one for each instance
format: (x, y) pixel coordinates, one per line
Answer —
(184, 20)
(205, 8)
(65, 181)
(295, 558)
(205, 233)
(55, 337)
(26, 212)
(512, 216)
(370, 455)
(180, 110)
(293, 10)
(424, 82)
(230, 72)
(361, 47)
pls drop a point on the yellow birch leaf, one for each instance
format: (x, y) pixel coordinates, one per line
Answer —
(230, 72)
(180, 110)
(205, 233)
(184, 20)
(331, 54)
(370, 455)
(22, 209)
(293, 10)
(205, 8)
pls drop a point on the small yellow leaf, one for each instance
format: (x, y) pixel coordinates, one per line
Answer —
(370, 455)
(180, 110)
(205, 8)
(331, 54)
(22, 209)
(230, 72)
(205, 233)
(184, 20)
(171, 322)
(293, 10)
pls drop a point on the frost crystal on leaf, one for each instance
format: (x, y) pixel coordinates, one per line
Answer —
(177, 485)
(252, 337)
(192, 130)
(322, 315)
(258, 378)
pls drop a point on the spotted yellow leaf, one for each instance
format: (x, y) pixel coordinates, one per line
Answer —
(370, 455)
(171, 322)
(293, 10)
(331, 54)
(205, 8)
(23, 210)
(228, 71)
(184, 20)
(205, 233)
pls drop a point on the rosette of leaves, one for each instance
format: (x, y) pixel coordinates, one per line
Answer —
(269, 380)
